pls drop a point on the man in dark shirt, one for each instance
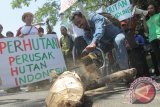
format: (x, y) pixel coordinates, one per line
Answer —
(136, 55)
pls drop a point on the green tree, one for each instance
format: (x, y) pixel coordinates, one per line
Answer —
(144, 3)
(51, 8)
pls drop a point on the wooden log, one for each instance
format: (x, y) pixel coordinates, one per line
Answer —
(127, 74)
(95, 78)
(92, 78)
(69, 87)
(66, 91)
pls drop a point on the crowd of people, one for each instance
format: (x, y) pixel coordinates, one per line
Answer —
(28, 29)
(130, 44)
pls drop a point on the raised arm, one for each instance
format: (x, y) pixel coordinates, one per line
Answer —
(49, 29)
(145, 25)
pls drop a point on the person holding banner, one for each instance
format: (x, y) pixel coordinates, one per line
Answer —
(1, 29)
(27, 29)
(41, 31)
(99, 31)
(152, 26)
(9, 34)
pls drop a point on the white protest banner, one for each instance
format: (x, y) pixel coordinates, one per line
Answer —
(121, 9)
(65, 4)
(29, 59)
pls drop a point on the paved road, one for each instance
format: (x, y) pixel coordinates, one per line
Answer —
(23, 99)
(118, 98)
(102, 97)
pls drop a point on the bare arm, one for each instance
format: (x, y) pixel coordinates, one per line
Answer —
(145, 25)
(49, 29)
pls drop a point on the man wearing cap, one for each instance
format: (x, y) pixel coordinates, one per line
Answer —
(99, 31)
(130, 40)
(136, 55)
(27, 29)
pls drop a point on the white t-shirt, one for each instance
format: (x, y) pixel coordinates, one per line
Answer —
(27, 30)
(77, 31)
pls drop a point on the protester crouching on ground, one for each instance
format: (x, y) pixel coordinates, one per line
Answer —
(100, 32)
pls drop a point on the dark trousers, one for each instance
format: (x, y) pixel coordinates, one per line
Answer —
(80, 45)
(155, 63)
(156, 49)
(137, 59)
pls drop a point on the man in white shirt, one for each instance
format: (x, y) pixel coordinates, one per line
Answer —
(27, 29)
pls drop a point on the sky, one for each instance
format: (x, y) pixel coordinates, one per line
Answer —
(11, 19)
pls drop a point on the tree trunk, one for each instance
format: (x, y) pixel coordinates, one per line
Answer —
(69, 88)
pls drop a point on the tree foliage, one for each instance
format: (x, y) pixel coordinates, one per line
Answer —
(20, 3)
(144, 3)
(51, 8)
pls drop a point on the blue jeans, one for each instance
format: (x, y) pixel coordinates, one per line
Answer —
(121, 52)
